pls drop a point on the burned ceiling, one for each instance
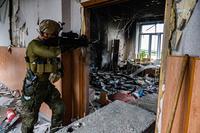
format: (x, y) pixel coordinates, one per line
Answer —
(139, 9)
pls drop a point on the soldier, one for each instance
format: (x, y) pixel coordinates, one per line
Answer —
(42, 61)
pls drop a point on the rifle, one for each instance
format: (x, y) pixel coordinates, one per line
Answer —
(70, 41)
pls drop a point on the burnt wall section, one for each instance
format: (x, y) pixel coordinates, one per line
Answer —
(119, 21)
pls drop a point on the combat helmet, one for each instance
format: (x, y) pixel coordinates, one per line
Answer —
(49, 26)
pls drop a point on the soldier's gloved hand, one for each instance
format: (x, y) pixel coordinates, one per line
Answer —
(84, 41)
(54, 77)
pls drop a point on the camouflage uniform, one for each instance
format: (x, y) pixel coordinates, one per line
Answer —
(42, 90)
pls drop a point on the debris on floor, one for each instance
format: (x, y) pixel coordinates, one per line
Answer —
(8, 113)
(148, 102)
(10, 106)
(130, 87)
(131, 83)
(116, 117)
(5, 101)
(123, 96)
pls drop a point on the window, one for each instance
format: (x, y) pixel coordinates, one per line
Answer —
(150, 40)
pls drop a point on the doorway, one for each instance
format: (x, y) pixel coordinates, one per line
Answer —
(125, 54)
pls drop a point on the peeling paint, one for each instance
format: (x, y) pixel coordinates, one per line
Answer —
(183, 11)
(3, 11)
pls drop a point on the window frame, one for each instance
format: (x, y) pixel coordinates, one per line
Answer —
(158, 34)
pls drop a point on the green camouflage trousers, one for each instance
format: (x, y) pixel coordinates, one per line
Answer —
(43, 92)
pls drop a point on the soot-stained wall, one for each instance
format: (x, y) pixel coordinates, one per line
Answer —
(119, 22)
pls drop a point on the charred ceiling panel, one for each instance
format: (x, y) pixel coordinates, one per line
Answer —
(118, 21)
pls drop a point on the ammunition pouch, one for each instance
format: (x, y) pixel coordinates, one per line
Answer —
(44, 66)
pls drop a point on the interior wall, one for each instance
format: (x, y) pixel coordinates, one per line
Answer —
(110, 23)
(66, 14)
(4, 25)
(126, 37)
(12, 67)
(26, 15)
(71, 15)
(76, 16)
(33, 11)
(189, 43)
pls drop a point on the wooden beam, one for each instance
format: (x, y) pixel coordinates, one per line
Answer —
(67, 84)
(193, 114)
(85, 57)
(165, 53)
(191, 83)
(12, 67)
(98, 3)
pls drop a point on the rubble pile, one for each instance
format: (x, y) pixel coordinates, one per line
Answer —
(121, 85)
(114, 82)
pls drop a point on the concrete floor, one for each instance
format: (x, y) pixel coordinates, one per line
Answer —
(117, 117)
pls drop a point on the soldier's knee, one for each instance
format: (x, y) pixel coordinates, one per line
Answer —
(28, 122)
(27, 129)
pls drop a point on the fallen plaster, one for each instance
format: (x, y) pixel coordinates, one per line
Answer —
(117, 117)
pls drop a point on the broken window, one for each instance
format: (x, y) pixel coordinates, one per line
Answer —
(150, 40)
